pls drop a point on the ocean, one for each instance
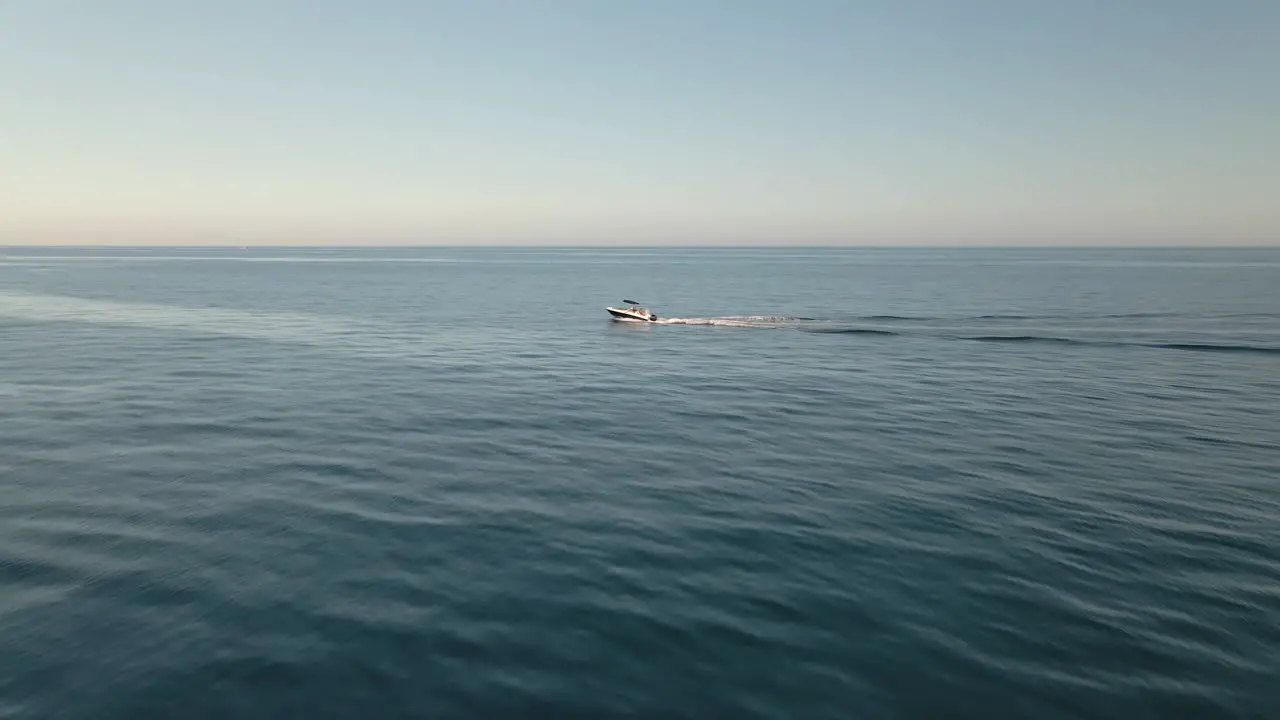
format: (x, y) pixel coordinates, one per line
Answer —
(828, 483)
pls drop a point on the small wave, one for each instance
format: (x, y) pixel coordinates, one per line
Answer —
(1195, 347)
(849, 331)
(1205, 347)
(1006, 316)
(1026, 339)
(1125, 316)
(1046, 316)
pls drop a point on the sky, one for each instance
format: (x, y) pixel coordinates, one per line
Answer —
(603, 122)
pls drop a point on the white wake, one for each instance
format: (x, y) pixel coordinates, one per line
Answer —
(744, 321)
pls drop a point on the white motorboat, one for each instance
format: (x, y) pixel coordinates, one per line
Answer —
(632, 313)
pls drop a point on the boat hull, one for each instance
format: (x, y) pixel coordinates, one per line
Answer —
(626, 315)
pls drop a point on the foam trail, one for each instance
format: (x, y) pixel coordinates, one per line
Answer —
(278, 327)
(744, 321)
(215, 321)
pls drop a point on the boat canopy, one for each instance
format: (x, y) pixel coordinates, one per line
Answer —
(631, 302)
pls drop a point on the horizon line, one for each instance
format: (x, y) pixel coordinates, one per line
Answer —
(586, 246)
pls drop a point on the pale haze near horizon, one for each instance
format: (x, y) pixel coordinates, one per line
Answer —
(692, 122)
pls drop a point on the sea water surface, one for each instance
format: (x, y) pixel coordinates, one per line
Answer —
(855, 483)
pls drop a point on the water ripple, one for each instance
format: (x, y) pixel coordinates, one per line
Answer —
(222, 497)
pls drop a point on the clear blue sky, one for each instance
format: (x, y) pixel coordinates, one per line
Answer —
(635, 121)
